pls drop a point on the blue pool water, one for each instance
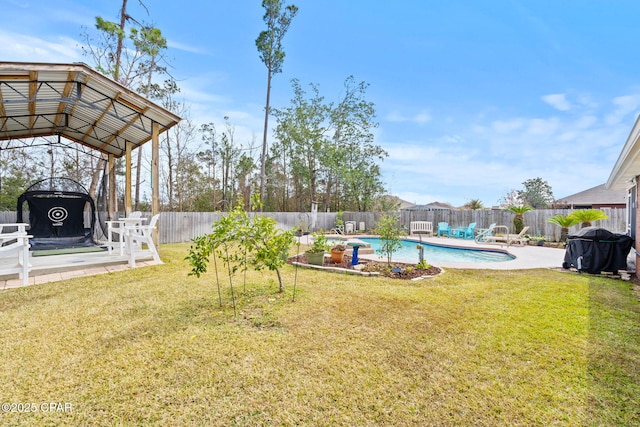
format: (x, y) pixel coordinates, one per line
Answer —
(435, 253)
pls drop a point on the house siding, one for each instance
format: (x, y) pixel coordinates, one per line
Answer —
(636, 232)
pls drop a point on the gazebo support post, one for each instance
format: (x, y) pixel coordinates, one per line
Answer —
(127, 179)
(111, 173)
(155, 177)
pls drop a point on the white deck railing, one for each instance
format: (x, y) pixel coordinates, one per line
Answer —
(14, 251)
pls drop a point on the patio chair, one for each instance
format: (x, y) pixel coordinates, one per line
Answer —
(507, 238)
(465, 232)
(338, 230)
(136, 235)
(444, 228)
(116, 229)
(481, 233)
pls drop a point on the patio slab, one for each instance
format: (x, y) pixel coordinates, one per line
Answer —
(53, 268)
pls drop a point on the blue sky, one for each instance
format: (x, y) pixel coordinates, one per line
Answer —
(472, 98)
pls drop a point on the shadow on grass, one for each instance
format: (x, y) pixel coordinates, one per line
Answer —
(614, 353)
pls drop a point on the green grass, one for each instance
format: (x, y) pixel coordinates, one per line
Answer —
(152, 346)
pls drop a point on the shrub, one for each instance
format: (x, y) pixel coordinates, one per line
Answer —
(320, 243)
(390, 232)
(339, 247)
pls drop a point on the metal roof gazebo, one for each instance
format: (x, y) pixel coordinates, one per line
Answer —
(84, 106)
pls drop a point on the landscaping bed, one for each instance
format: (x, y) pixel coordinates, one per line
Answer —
(396, 270)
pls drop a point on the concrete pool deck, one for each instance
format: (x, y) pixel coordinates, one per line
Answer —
(526, 257)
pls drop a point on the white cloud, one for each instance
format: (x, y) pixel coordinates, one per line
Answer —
(507, 126)
(624, 106)
(453, 139)
(627, 102)
(558, 101)
(493, 154)
(422, 118)
(542, 127)
(23, 48)
(409, 153)
(186, 47)
(587, 101)
(419, 118)
(586, 122)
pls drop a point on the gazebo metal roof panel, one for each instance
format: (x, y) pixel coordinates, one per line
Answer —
(74, 101)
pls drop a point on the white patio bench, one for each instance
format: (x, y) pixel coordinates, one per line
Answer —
(419, 227)
(14, 251)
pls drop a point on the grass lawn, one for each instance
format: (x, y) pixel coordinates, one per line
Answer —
(152, 346)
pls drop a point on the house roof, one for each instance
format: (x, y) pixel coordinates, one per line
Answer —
(404, 204)
(74, 101)
(627, 167)
(434, 206)
(396, 201)
(598, 195)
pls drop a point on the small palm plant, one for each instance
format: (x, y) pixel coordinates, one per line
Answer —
(473, 204)
(564, 222)
(518, 220)
(586, 216)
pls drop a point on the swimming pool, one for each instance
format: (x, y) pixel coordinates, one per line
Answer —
(436, 253)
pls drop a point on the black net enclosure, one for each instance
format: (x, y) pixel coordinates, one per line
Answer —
(594, 250)
(61, 214)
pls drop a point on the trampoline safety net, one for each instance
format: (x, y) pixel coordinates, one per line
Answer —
(58, 218)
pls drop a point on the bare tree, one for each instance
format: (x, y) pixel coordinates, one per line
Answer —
(107, 62)
(209, 157)
(133, 66)
(180, 171)
(512, 198)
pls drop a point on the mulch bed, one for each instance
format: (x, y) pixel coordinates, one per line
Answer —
(397, 270)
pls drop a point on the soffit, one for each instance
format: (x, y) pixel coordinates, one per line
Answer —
(627, 166)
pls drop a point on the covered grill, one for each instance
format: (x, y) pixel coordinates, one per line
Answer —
(595, 250)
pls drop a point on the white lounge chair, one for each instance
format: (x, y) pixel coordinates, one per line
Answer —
(115, 230)
(507, 238)
(136, 235)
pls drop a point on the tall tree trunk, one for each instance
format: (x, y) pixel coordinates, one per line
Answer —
(170, 179)
(123, 20)
(96, 176)
(116, 76)
(263, 158)
(139, 166)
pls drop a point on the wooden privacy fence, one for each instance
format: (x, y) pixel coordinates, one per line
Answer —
(177, 227)
(536, 220)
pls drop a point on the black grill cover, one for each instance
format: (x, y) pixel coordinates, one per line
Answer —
(595, 250)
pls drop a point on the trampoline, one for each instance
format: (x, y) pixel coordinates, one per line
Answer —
(61, 214)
